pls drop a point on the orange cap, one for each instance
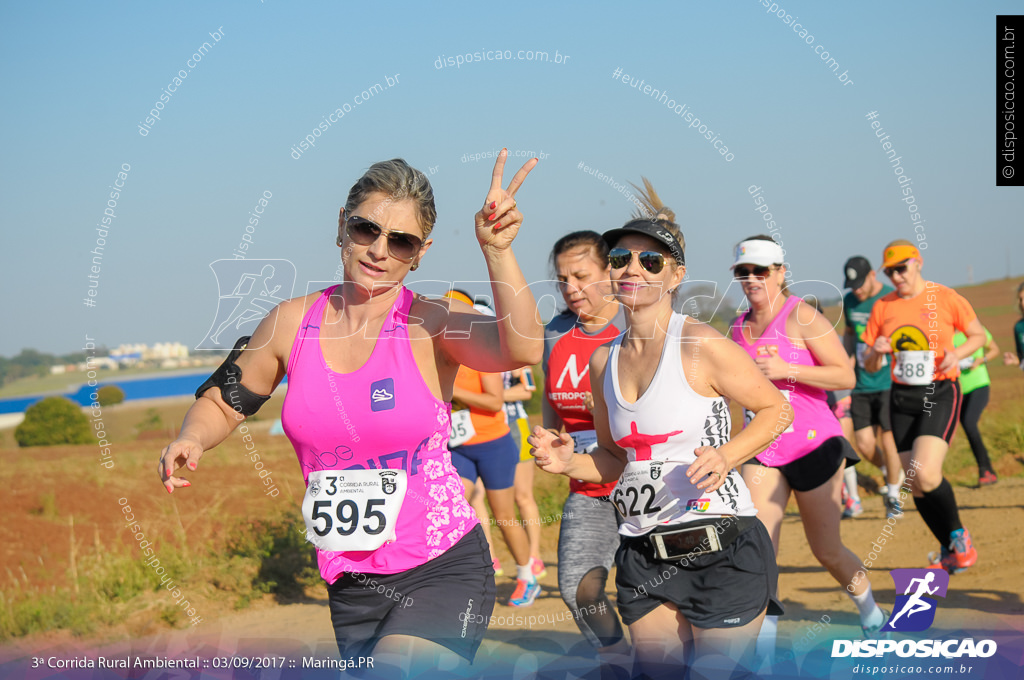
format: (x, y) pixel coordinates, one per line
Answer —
(896, 254)
(460, 296)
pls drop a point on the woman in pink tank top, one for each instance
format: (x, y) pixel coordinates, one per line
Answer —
(798, 350)
(370, 369)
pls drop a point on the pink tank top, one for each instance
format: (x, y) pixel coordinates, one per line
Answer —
(381, 416)
(813, 420)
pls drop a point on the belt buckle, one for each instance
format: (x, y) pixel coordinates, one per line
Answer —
(685, 543)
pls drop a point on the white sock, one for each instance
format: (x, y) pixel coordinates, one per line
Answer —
(524, 572)
(870, 614)
(765, 647)
(850, 479)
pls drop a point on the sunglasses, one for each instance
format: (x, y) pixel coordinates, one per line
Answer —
(401, 246)
(758, 272)
(651, 261)
(900, 269)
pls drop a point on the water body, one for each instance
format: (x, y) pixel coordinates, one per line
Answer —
(135, 387)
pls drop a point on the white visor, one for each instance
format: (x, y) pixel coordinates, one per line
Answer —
(758, 252)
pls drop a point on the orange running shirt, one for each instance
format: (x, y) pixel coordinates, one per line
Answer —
(921, 331)
(488, 425)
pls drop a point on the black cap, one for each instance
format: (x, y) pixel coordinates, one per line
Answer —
(856, 269)
(651, 228)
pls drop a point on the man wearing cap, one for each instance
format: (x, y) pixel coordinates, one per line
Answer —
(869, 406)
(915, 324)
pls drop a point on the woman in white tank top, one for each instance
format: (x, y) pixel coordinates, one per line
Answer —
(696, 569)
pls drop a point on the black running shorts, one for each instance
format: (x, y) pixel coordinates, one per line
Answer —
(925, 410)
(817, 467)
(723, 589)
(871, 408)
(447, 600)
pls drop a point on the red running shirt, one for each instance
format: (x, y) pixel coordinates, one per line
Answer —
(567, 350)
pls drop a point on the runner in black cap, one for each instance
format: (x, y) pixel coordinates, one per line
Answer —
(870, 403)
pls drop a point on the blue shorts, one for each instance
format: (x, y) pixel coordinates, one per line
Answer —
(494, 462)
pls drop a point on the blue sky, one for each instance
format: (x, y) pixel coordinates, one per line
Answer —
(79, 79)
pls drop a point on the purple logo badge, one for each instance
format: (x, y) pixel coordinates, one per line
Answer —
(915, 609)
(382, 395)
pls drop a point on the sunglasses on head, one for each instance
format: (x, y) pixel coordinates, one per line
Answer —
(401, 246)
(758, 272)
(900, 269)
(650, 260)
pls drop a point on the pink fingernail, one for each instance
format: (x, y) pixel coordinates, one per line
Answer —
(168, 489)
(188, 484)
(494, 204)
(492, 216)
(191, 466)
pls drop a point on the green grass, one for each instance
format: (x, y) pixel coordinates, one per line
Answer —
(258, 558)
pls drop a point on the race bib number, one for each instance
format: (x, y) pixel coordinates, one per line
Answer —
(584, 441)
(916, 367)
(462, 428)
(641, 494)
(862, 351)
(749, 415)
(353, 510)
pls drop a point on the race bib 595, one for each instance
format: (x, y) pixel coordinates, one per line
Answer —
(353, 510)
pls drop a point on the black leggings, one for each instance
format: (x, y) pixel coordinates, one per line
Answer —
(970, 411)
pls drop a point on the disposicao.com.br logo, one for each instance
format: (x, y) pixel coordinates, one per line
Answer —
(914, 611)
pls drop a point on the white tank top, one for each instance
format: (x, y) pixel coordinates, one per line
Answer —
(659, 433)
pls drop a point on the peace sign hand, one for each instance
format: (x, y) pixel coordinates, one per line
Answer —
(498, 221)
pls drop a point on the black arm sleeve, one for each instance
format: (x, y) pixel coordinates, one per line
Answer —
(228, 377)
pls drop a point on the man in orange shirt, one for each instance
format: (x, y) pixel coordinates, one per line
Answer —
(915, 324)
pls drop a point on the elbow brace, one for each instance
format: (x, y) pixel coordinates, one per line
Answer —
(228, 377)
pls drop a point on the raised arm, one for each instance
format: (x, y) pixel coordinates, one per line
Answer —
(515, 338)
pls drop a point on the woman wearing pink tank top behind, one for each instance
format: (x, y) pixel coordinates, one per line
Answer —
(799, 351)
(370, 368)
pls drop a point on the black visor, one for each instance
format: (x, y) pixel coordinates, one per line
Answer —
(648, 228)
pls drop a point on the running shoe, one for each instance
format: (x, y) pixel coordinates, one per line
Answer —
(958, 557)
(875, 632)
(853, 509)
(892, 508)
(944, 560)
(987, 478)
(525, 593)
(538, 568)
(498, 571)
(962, 547)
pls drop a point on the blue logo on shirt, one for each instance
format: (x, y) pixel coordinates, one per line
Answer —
(382, 395)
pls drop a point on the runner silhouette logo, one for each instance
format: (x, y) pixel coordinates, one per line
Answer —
(914, 610)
